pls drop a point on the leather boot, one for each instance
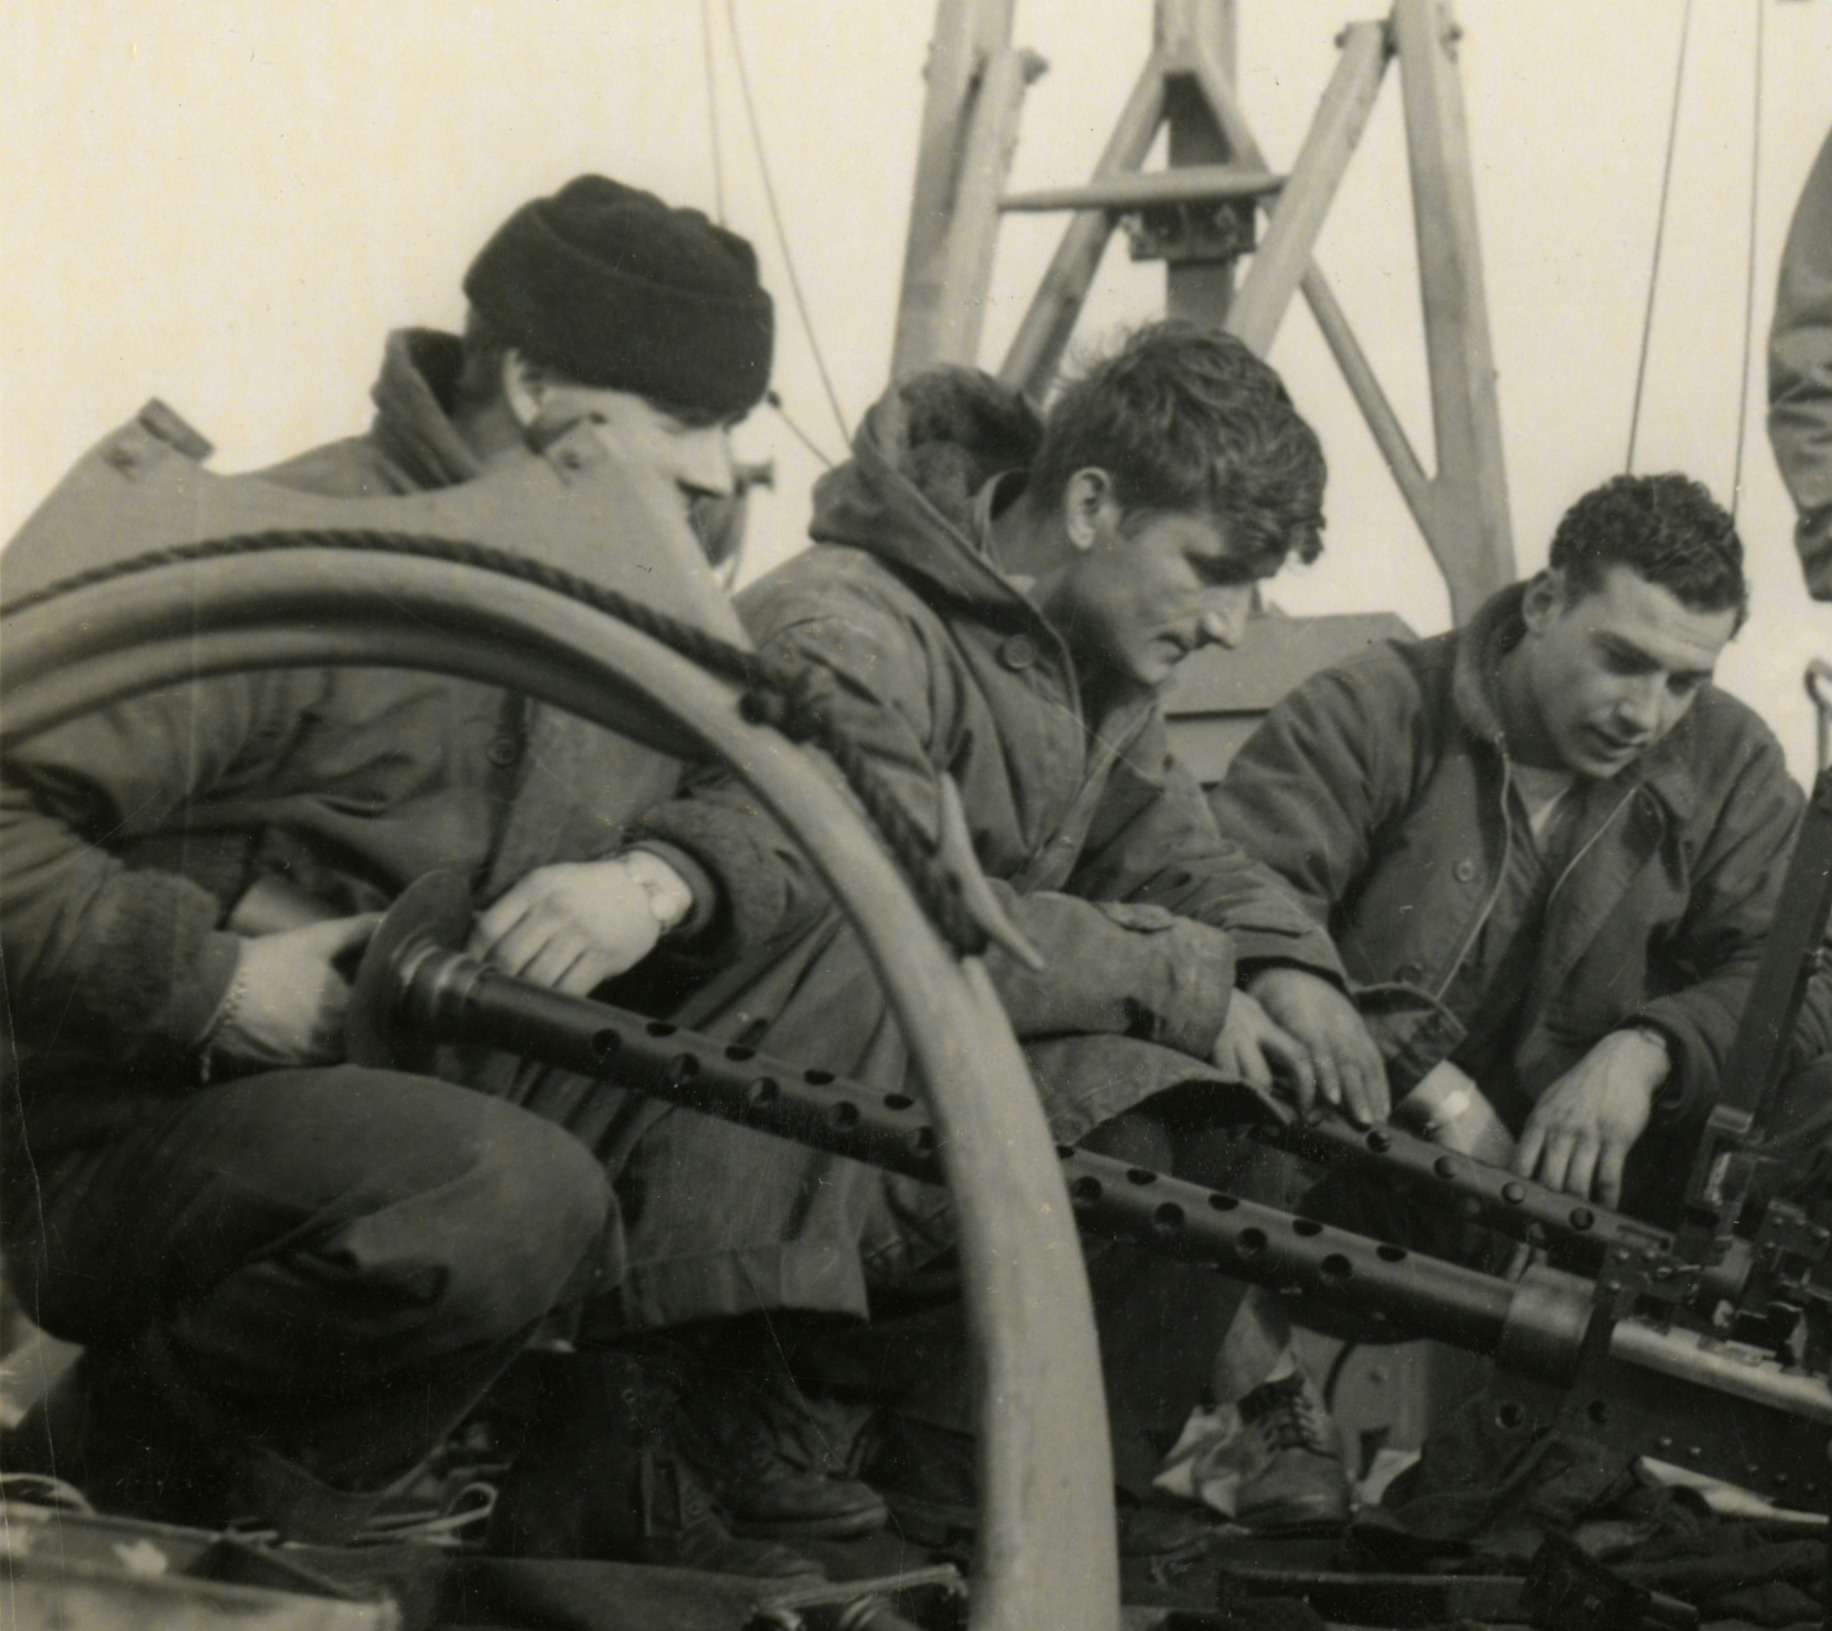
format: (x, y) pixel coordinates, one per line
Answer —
(601, 1473)
(1296, 1478)
(776, 1470)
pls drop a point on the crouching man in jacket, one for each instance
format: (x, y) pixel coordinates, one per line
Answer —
(1548, 849)
(1002, 600)
(292, 1276)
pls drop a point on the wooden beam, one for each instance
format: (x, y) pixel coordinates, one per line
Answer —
(1201, 291)
(967, 34)
(1183, 30)
(992, 137)
(1193, 184)
(1216, 79)
(1284, 253)
(1389, 434)
(1471, 481)
(1044, 333)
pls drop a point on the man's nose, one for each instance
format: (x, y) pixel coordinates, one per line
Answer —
(1638, 707)
(1224, 619)
(705, 463)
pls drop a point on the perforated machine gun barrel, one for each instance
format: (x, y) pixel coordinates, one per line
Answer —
(1707, 1346)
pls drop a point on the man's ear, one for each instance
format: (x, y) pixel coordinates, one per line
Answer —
(1088, 506)
(524, 386)
(1544, 599)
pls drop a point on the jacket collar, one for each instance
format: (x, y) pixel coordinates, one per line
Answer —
(413, 395)
(1498, 626)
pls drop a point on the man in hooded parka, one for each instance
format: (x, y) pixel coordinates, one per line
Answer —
(1000, 600)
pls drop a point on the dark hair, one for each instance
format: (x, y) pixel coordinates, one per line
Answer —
(1187, 418)
(1667, 529)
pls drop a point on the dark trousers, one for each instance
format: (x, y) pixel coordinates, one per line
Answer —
(334, 1263)
(1159, 1319)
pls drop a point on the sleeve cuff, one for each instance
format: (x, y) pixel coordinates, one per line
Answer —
(1678, 1098)
(1255, 949)
(697, 879)
(1248, 965)
(196, 997)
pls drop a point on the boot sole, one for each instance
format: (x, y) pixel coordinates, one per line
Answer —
(840, 1526)
(1294, 1521)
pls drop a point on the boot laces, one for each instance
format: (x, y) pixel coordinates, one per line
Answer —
(755, 1424)
(1287, 1415)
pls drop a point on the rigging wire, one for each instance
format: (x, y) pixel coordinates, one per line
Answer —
(1660, 231)
(774, 399)
(712, 111)
(1749, 272)
(782, 237)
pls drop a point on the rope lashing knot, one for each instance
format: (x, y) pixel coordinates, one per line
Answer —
(797, 701)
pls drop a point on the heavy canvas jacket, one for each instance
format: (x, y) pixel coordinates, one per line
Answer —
(127, 837)
(1095, 838)
(1800, 373)
(1380, 792)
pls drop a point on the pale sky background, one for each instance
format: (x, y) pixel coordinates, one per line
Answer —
(228, 203)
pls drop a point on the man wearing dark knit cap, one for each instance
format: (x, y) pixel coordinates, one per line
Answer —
(293, 1276)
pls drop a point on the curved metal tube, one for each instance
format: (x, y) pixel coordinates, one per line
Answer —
(1047, 1549)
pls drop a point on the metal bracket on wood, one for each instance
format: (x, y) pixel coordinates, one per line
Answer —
(1183, 234)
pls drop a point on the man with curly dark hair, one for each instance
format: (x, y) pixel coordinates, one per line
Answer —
(1548, 849)
(999, 599)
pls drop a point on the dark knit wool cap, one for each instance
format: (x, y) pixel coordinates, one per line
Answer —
(614, 289)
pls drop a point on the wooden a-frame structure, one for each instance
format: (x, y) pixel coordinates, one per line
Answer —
(1200, 215)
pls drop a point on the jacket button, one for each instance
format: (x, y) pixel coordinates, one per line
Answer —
(1466, 871)
(503, 751)
(1019, 652)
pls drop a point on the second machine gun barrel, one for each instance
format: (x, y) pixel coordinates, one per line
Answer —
(1579, 1236)
(1563, 1340)
(413, 992)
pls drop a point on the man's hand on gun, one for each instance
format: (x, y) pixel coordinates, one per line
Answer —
(573, 926)
(568, 927)
(284, 1005)
(1583, 1127)
(1291, 1024)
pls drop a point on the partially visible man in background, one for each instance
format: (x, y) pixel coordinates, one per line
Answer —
(1800, 373)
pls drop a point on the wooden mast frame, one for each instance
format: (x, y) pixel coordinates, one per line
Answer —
(1199, 216)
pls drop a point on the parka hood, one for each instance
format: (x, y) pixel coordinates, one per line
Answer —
(413, 398)
(412, 445)
(915, 491)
